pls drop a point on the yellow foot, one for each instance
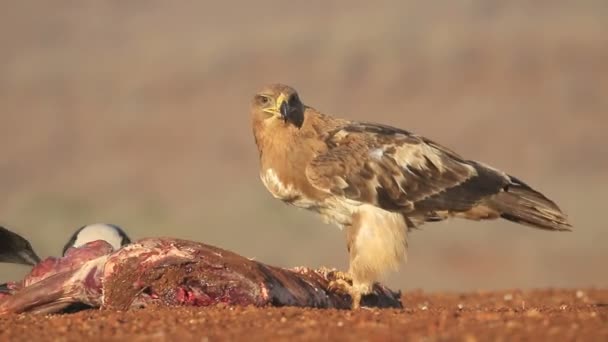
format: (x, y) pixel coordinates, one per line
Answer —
(343, 276)
(343, 286)
(332, 273)
(340, 286)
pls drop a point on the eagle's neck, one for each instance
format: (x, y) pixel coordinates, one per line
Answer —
(282, 142)
(285, 152)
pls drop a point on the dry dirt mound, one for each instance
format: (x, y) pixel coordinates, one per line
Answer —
(534, 315)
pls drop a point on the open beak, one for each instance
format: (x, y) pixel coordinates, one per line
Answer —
(281, 108)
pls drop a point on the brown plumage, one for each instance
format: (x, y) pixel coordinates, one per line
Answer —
(379, 181)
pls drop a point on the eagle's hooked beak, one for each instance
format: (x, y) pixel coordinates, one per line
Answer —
(285, 111)
(283, 106)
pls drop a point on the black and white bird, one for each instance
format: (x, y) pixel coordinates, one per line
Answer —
(16, 249)
(112, 234)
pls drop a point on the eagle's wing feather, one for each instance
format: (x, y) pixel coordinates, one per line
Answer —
(399, 171)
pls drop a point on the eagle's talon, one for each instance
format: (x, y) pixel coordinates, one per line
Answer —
(343, 276)
(334, 274)
(344, 287)
(340, 286)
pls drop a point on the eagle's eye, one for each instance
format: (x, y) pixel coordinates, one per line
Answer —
(263, 100)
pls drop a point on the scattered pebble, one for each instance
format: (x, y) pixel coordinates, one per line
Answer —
(508, 297)
(533, 313)
(423, 306)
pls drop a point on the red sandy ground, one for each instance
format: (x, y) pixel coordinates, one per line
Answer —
(576, 315)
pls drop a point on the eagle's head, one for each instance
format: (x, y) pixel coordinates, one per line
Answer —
(278, 103)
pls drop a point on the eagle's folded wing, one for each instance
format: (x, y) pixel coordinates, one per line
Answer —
(398, 171)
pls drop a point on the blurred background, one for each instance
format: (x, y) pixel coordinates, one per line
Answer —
(136, 113)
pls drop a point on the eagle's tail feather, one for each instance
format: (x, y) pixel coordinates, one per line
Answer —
(522, 204)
